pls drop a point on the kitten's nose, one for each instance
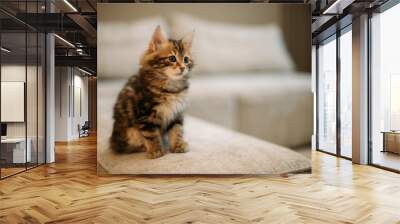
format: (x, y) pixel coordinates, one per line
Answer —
(182, 69)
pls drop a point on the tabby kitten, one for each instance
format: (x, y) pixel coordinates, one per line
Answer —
(150, 106)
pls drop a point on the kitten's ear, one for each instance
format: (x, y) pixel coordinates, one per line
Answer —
(157, 40)
(188, 39)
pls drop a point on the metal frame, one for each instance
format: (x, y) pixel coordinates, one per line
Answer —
(316, 97)
(0, 90)
(369, 91)
(338, 98)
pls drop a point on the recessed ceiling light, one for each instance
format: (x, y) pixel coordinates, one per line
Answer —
(64, 40)
(84, 71)
(337, 7)
(5, 50)
(70, 5)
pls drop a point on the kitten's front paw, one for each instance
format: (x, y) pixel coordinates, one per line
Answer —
(180, 147)
(154, 154)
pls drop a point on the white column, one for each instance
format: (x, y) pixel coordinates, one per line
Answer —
(360, 90)
(50, 99)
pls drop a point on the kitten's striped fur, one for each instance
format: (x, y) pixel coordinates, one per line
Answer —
(151, 104)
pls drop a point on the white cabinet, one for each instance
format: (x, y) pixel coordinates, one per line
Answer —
(17, 145)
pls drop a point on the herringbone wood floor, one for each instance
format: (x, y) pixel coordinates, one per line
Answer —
(69, 191)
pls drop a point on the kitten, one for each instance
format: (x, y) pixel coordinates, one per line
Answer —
(151, 104)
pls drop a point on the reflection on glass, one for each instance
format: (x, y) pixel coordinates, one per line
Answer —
(327, 96)
(386, 89)
(346, 94)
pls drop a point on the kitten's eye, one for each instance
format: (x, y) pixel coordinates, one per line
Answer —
(186, 59)
(172, 58)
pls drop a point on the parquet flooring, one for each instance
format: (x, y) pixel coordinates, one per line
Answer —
(69, 191)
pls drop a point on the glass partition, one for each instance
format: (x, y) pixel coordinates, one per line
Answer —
(13, 90)
(22, 77)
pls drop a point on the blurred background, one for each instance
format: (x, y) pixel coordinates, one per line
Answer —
(253, 63)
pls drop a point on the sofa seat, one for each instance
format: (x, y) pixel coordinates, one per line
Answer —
(212, 150)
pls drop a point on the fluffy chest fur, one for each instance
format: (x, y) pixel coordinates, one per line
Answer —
(170, 107)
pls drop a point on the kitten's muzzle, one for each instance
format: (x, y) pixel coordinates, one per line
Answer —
(182, 71)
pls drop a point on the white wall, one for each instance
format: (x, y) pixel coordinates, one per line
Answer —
(80, 89)
(17, 73)
(14, 73)
(70, 83)
(62, 82)
(33, 126)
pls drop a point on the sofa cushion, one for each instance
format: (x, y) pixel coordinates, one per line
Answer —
(125, 41)
(223, 47)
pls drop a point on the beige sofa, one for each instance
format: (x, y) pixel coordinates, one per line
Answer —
(245, 78)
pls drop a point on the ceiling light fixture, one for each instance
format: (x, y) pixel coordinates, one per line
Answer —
(84, 71)
(64, 40)
(70, 5)
(5, 50)
(337, 7)
(79, 51)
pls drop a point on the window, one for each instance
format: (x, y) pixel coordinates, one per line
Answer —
(334, 62)
(385, 89)
(326, 60)
(346, 93)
